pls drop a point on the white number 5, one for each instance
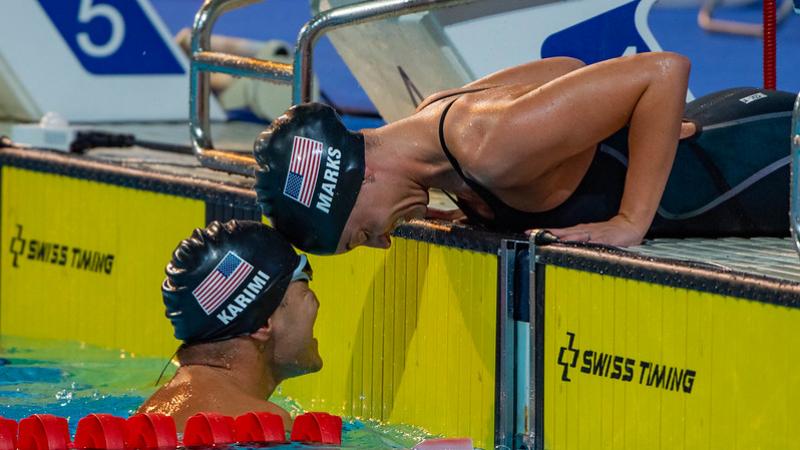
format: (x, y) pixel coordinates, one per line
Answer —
(89, 12)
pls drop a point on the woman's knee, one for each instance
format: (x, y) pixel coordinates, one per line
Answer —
(662, 67)
(669, 64)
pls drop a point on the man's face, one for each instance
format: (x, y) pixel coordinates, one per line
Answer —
(296, 351)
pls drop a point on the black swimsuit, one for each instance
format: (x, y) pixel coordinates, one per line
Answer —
(729, 180)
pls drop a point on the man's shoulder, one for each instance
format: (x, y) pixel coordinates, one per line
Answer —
(181, 402)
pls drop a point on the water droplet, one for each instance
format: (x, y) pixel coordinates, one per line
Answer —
(64, 395)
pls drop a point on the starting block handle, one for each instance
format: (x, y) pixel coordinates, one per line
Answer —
(203, 61)
(794, 195)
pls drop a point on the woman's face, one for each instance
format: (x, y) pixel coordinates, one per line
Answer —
(374, 218)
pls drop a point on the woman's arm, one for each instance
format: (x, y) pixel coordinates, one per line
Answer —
(654, 129)
(571, 114)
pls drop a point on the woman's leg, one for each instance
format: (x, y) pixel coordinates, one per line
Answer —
(533, 74)
(733, 178)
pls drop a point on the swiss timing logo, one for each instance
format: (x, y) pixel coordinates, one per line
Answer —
(622, 368)
(58, 254)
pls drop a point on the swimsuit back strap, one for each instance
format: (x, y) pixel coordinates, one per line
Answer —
(480, 190)
(442, 142)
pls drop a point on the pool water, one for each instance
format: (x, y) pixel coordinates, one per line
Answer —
(72, 380)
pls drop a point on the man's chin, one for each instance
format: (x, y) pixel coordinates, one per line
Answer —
(314, 363)
(311, 363)
(311, 367)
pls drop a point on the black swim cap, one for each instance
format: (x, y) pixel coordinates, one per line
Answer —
(310, 172)
(226, 280)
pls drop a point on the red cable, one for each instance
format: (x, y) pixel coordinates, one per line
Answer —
(770, 45)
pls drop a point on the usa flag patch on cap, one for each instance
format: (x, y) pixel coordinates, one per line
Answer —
(303, 169)
(217, 286)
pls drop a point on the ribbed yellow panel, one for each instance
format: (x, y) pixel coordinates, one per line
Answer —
(407, 336)
(746, 356)
(51, 294)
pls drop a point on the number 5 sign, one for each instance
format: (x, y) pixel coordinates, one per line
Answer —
(91, 60)
(111, 37)
(86, 14)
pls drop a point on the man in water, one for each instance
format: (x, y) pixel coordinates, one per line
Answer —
(584, 151)
(237, 295)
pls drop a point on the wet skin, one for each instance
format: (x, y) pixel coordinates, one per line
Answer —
(238, 375)
(529, 138)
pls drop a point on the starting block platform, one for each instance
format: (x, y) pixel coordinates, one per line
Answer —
(768, 258)
(687, 343)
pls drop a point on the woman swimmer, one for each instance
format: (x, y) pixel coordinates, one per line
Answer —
(585, 151)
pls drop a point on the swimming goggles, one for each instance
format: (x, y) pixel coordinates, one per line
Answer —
(303, 271)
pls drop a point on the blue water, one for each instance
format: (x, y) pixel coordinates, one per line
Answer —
(72, 380)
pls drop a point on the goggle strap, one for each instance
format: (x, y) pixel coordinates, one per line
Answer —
(303, 270)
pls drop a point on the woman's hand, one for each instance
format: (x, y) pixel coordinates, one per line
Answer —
(619, 231)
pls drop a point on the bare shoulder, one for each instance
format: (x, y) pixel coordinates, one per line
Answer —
(175, 400)
(167, 399)
(181, 401)
(512, 151)
(482, 137)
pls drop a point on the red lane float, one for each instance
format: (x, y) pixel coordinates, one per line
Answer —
(8, 434)
(43, 432)
(150, 431)
(100, 431)
(317, 428)
(260, 428)
(158, 431)
(209, 430)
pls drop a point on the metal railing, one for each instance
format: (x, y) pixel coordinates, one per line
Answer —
(203, 61)
(794, 209)
(531, 439)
